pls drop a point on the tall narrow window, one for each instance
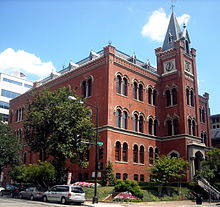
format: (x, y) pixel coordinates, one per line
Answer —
(156, 153)
(168, 98)
(118, 84)
(140, 92)
(150, 126)
(151, 155)
(89, 87)
(187, 96)
(84, 88)
(141, 124)
(155, 127)
(25, 158)
(149, 95)
(154, 97)
(124, 120)
(192, 97)
(135, 122)
(189, 127)
(135, 154)
(135, 90)
(174, 94)
(118, 151)
(193, 128)
(203, 115)
(142, 154)
(176, 126)
(118, 118)
(125, 152)
(169, 128)
(125, 87)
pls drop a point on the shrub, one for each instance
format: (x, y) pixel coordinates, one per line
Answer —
(129, 185)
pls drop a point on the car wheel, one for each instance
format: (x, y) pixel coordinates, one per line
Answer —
(20, 196)
(45, 198)
(32, 197)
(63, 200)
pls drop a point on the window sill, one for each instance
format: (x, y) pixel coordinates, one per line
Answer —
(119, 94)
(135, 163)
(121, 162)
(138, 100)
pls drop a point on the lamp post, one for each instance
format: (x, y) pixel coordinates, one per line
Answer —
(95, 197)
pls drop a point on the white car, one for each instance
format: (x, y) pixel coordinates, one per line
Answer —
(65, 194)
(1, 188)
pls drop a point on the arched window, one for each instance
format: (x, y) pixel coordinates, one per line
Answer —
(187, 96)
(154, 97)
(149, 95)
(203, 115)
(135, 90)
(169, 128)
(187, 46)
(192, 98)
(151, 155)
(168, 98)
(174, 94)
(140, 92)
(193, 128)
(204, 138)
(118, 118)
(125, 87)
(125, 176)
(142, 154)
(118, 175)
(155, 127)
(118, 84)
(189, 126)
(135, 122)
(150, 126)
(124, 120)
(135, 154)
(89, 87)
(176, 126)
(141, 124)
(173, 154)
(125, 152)
(118, 151)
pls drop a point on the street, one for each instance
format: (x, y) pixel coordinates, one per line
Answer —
(13, 202)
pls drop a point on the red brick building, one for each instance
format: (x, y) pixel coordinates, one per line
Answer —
(143, 111)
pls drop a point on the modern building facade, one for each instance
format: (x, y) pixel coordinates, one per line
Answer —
(11, 86)
(143, 111)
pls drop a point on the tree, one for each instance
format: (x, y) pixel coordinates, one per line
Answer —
(42, 173)
(168, 169)
(9, 147)
(108, 175)
(54, 125)
(210, 168)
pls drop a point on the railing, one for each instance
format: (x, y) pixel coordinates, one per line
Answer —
(202, 182)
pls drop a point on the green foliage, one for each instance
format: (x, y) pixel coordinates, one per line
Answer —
(103, 192)
(167, 169)
(54, 123)
(42, 174)
(129, 185)
(9, 147)
(108, 175)
(210, 168)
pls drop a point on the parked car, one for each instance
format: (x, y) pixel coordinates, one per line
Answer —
(65, 194)
(32, 193)
(11, 190)
(1, 188)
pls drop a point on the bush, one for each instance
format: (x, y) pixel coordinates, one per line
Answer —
(129, 185)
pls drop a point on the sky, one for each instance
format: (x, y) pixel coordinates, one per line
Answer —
(41, 36)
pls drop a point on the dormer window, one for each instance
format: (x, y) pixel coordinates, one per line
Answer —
(170, 38)
(187, 46)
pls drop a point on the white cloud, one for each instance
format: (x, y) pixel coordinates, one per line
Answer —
(157, 24)
(12, 61)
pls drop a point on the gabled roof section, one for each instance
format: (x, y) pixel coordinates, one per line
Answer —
(173, 33)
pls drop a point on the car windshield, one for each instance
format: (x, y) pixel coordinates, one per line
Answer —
(77, 190)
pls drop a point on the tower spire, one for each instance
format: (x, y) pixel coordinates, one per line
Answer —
(172, 5)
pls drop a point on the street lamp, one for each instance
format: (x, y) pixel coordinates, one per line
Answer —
(95, 197)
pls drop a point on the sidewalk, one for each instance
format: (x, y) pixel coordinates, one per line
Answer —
(186, 203)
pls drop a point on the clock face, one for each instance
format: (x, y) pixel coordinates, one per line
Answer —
(169, 66)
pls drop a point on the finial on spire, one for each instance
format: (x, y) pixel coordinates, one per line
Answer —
(172, 5)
